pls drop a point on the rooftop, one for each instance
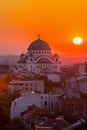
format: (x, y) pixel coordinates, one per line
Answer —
(39, 45)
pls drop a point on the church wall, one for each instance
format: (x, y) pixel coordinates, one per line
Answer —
(54, 77)
(37, 50)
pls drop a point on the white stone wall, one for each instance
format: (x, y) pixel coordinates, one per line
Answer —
(32, 65)
(41, 100)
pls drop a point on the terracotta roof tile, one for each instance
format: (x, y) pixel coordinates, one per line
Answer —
(58, 123)
(31, 114)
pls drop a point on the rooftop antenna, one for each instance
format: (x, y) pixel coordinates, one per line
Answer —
(39, 36)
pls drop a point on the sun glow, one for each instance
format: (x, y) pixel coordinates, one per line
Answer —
(77, 40)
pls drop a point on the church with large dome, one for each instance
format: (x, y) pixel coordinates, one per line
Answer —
(38, 59)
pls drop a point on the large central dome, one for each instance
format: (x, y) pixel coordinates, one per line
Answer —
(39, 45)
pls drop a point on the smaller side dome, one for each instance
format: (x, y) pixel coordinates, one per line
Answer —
(22, 58)
(56, 55)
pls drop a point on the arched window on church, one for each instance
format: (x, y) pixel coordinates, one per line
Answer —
(56, 59)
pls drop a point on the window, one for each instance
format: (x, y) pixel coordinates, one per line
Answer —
(45, 103)
(41, 97)
(30, 84)
(30, 59)
(14, 103)
(35, 89)
(26, 88)
(45, 97)
(20, 84)
(30, 89)
(26, 84)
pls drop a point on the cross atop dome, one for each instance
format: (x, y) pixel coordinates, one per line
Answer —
(39, 45)
(39, 36)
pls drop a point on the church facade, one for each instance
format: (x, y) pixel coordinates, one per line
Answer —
(38, 59)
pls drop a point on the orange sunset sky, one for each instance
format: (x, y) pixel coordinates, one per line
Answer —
(58, 22)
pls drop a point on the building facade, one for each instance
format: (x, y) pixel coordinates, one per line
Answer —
(76, 85)
(74, 107)
(26, 86)
(46, 101)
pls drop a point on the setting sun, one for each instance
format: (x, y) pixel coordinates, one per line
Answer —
(77, 41)
(58, 21)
